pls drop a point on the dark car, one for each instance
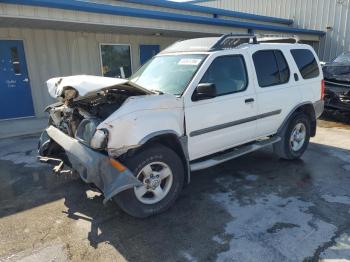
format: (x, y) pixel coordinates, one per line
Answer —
(337, 83)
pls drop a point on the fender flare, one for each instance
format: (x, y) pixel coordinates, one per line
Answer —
(293, 111)
(181, 140)
(152, 135)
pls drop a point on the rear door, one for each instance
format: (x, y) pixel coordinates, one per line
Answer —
(227, 120)
(276, 89)
(15, 93)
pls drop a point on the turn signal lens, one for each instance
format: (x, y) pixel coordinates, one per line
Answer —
(322, 89)
(117, 165)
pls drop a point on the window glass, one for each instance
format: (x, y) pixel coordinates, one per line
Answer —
(283, 67)
(168, 73)
(228, 73)
(116, 60)
(306, 63)
(266, 68)
(343, 58)
(15, 61)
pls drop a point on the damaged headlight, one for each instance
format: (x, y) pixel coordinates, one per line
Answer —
(88, 134)
(86, 130)
(99, 140)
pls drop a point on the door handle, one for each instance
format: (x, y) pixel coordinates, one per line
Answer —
(249, 100)
(296, 77)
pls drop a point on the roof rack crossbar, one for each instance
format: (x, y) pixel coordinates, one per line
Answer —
(233, 40)
(274, 38)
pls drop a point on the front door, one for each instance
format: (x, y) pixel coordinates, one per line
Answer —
(15, 93)
(227, 120)
(147, 52)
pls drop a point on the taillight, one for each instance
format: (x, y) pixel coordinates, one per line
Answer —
(322, 89)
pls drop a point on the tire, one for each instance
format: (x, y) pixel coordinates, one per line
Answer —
(161, 160)
(286, 148)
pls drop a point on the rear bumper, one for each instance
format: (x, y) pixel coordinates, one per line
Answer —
(93, 167)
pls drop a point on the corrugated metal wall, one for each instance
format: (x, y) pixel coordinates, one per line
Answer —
(85, 20)
(311, 14)
(51, 53)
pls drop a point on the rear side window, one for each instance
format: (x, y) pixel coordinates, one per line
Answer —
(271, 68)
(306, 63)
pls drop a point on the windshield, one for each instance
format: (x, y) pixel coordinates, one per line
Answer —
(169, 73)
(343, 58)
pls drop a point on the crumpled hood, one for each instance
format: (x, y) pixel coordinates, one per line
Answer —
(84, 84)
(156, 103)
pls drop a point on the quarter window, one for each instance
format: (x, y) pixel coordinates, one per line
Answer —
(271, 68)
(116, 60)
(306, 63)
(228, 73)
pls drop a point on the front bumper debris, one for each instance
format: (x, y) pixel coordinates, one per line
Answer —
(94, 167)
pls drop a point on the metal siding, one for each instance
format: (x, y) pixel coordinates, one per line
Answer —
(311, 14)
(112, 15)
(60, 15)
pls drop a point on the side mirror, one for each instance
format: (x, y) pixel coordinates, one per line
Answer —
(204, 91)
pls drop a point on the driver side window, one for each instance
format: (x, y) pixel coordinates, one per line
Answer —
(228, 73)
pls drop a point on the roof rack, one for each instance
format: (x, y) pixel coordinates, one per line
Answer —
(228, 41)
(233, 40)
(271, 38)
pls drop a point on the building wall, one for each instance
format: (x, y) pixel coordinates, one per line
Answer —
(51, 53)
(41, 17)
(311, 14)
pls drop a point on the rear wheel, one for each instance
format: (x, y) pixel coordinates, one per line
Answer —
(161, 172)
(294, 138)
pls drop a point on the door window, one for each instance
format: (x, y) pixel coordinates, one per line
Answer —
(228, 73)
(306, 63)
(282, 66)
(271, 68)
(15, 61)
(116, 60)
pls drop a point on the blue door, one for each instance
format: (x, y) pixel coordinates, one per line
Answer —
(147, 52)
(15, 94)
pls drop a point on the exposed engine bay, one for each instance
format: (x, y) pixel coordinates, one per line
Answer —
(68, 114)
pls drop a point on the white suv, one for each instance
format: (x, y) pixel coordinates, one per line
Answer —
(198, 103)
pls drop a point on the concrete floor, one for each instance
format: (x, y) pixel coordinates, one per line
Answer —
(255, 208)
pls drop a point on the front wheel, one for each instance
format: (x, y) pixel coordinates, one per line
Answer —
(294, 138)
(161, 172)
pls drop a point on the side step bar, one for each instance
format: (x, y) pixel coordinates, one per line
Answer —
(236, 152)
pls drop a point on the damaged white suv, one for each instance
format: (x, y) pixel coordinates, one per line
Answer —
(198, 103)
